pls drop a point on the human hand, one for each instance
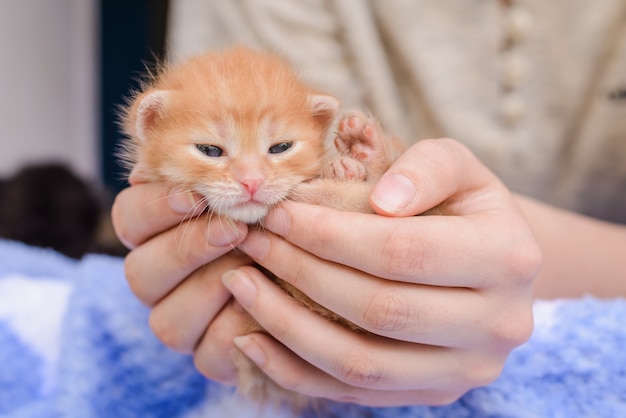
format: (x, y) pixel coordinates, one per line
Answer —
(445, 298)
(178, 256)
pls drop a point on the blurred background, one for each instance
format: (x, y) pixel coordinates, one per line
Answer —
(66, 65)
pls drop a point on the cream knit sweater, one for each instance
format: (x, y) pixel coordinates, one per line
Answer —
(536, 88)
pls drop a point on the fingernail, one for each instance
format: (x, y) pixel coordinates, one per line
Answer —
(256, 245)
(278, 221)
(240, 285)
(181, 200)
(394, 193)
(224, 231)
(251, 349)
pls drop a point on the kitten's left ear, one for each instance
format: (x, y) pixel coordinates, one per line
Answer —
(324, 108)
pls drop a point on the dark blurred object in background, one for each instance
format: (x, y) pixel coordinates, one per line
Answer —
(47, 205)
(132, 38)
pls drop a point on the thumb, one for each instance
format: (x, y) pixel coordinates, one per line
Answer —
(394, 193)
(425, 175)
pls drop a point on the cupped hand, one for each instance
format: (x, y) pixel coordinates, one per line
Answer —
(178, 255)
(445, 298)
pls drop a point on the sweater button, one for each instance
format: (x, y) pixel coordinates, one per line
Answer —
(518, 22)
(513, 109)
(513, 71)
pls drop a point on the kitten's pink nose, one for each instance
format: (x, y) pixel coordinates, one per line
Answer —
(252, 185)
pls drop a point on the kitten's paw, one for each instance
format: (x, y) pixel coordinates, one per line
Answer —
(345, 168)
(359, 137)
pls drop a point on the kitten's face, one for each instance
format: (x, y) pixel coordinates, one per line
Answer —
(238, 127)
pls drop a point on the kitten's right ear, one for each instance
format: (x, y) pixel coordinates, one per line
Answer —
(149, 110)
(324, 108)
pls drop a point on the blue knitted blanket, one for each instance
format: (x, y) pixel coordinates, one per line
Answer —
(74, 342)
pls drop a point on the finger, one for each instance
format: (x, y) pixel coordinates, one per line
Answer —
(425, 175)
(413, 249)
(180, 319)
(141, 211)
(294, 374)
(213, 355)
(361, 360)
(405, 311)
(160, 264)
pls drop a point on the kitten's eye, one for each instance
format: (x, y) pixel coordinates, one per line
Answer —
(210, 150)
(280, 147)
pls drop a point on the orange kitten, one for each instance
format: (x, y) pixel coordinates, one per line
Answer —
(240, 129)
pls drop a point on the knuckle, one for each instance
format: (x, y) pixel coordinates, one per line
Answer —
(290, 381)
(449, 156)
(486, 374)
(358, 369)
(327, 228)
(203, 366)
(440, 149)
(279, 329)
(443, 398)
(525, 263)
(293, 278)
(187, 245)
(451, 147)
(510, 331)
(520, 254)
(350, 398)
(223, 372)
(480, 371)
(135, 279)
(402, 255)
(120, 227)
(387, 311)
(169, 333)
(215, 355)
